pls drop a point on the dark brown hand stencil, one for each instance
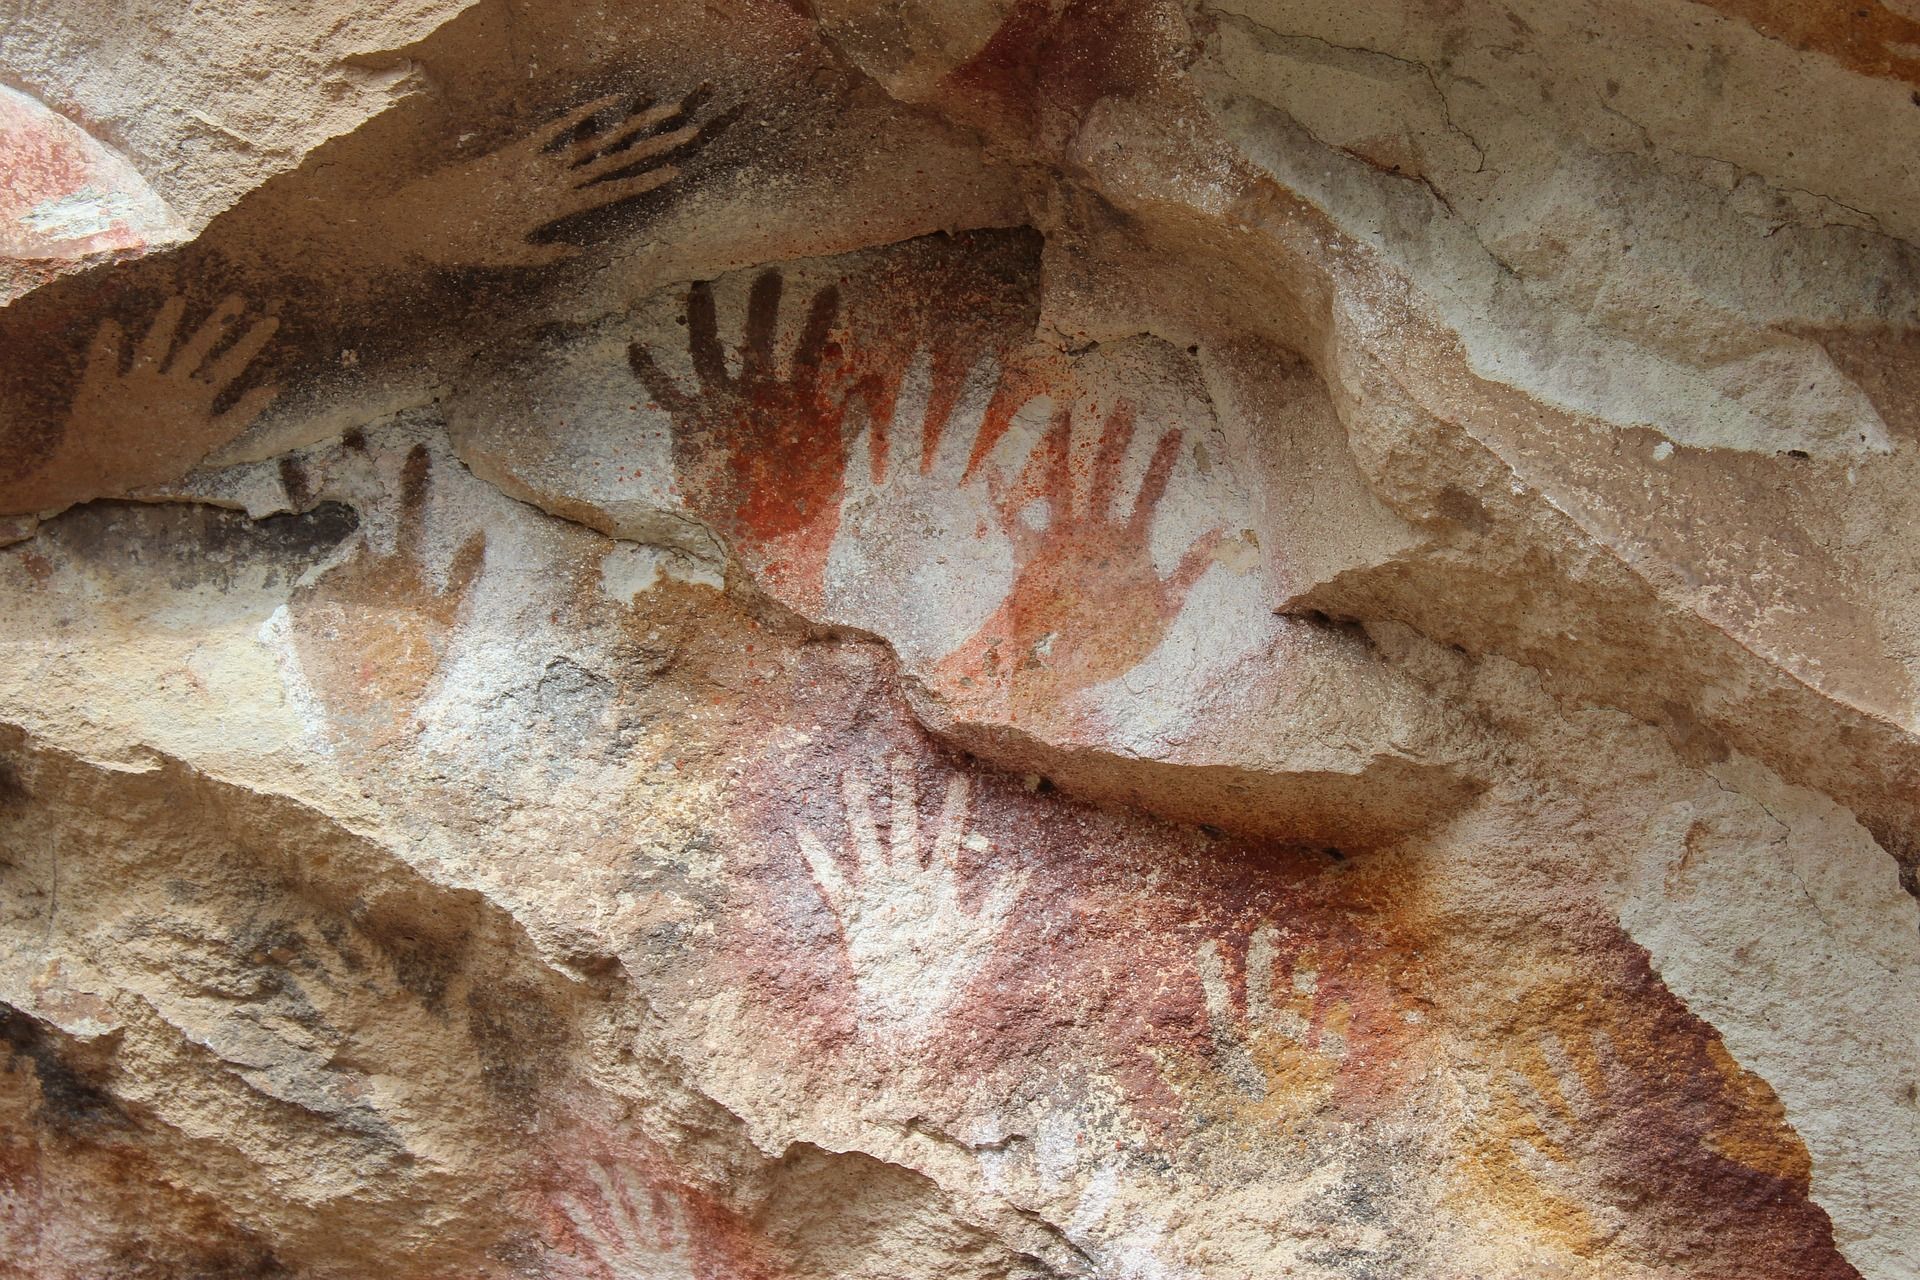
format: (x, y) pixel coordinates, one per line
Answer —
(486, 212)
(761, 454)
(1087, 602)
(148, 416)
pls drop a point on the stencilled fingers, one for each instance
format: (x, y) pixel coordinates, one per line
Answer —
(499, 209)
(151, 353)
(1260, 961)
(810, 363)
(170, 375)
(600, 193)
(592, 152)
(623, 1237)
(567, 130)
(192, 353)
(1275, 1012)
(720, 393)
(911, 444)
(614, 140)
(1564, 1096)
(900, 852)
(1231, 1037)
(826, 872)
(903, 818)
(913, 942)
(863, 826)
(159, 353)
(887, 450)
(953, 821)
(1567, 1088)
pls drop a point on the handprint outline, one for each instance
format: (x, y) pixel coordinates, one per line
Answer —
(372, 631)
(1609, 1112)
(1088, 603)
(194, 376)
(1565, 1090)
(919, 555)
(761, 455)
(147, 415)
(1294, 1038)
(914, 944)
(624, 1238)
(497, 210)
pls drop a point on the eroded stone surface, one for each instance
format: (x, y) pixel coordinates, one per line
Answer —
(68, 197)
(1016, 639)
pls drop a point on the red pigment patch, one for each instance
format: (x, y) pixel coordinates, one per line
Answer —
(762, 455)
(1003, 79)
(962, 300)
(1283, 991)
(1865, 36)
(1088, 603)
(1045, 67)
(1097, 966)
(63, 194)
(1616, 1113)
(608, 1205)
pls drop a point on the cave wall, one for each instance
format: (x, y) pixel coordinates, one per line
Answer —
(1006, 638)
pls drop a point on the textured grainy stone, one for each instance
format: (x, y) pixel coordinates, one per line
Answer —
(1003, 639)
(68, 197)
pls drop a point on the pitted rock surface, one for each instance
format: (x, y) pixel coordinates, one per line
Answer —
(1003, 638)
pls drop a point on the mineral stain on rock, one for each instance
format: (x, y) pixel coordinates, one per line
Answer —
(69, 198)
(1101, 639)
(69, 1102)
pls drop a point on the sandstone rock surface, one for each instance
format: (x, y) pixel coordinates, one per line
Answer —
(998, 638)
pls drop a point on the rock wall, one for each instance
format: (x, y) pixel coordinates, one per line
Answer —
(1003, 638)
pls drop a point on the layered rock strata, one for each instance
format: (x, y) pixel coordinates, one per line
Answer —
(1010, 638)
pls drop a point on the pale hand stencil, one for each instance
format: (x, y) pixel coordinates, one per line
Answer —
(913, 941)
(150, 414)
(1277, 1023)
(620, 1229)
(486, 212)
(1567, 1094)
(920, 556)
